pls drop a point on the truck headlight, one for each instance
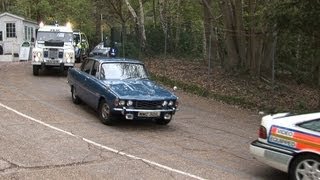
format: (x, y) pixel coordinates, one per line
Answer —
(37, 56)
(69, 57)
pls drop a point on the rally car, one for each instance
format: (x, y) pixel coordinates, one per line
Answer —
(290, 143)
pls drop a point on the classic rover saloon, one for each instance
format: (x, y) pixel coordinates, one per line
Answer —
(121, 88)
(290, 143)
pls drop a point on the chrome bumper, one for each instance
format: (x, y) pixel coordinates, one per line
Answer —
(125, 110)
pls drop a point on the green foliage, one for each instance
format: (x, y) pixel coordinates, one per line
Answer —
(298, 47)
(296, 21)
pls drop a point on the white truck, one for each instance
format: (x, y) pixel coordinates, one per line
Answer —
(53, 48)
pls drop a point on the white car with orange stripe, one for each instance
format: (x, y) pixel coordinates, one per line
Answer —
(290, 143)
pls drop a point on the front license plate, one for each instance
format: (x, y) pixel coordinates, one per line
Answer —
(53, 61)
(149, 114)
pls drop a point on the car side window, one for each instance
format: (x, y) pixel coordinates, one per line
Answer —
(87, 66)
(311, 125)
(83, 64)
(95, 68)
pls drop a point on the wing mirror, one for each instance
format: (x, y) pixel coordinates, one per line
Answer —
(174, 88)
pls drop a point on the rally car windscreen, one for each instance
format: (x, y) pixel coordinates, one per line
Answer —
(123, 71)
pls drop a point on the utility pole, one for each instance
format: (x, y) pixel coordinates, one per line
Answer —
(101, 27)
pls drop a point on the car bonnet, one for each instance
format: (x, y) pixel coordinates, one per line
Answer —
(139, 89)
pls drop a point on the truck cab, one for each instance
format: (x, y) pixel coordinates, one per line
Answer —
(81, 45)
(53, 48)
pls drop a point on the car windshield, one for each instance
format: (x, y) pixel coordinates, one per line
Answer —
(55, 36)
(123, 71)
(76, 38)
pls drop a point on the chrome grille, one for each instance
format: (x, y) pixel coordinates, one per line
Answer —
(53, 53)
(148, 104)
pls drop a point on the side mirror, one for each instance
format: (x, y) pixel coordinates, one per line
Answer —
(174, 88)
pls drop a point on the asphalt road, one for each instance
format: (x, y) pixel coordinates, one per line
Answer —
(43, 135)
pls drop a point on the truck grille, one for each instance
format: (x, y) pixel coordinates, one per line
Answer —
(53, 53)
(148, 104)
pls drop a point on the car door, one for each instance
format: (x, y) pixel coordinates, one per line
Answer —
(82, 88)
(92, 86)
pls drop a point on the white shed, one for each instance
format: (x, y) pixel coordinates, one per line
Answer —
(14, 30)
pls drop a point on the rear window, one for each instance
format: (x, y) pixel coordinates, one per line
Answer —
(311, 125)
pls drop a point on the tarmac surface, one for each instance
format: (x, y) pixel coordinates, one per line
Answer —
(43, 135)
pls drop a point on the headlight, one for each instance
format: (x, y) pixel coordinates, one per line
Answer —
(37, 56)
(164, 103)
(69, 57)
(129, 103)
(170, 103)
(122, 103)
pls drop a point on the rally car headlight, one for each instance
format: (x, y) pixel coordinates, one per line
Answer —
(170, 103)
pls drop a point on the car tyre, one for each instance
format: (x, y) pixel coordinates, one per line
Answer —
(163, 121)
(36, 70)
(75, 98)
(305, 167)
(105, 113)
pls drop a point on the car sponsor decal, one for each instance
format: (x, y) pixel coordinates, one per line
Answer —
(293, 139)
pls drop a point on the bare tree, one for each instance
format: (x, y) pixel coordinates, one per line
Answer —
(139, 20)
(164, 22)
(210, 41)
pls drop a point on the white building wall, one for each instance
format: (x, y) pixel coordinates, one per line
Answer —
(12, 44)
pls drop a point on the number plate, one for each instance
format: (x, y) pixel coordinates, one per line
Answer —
(53, 61)
(149, 114)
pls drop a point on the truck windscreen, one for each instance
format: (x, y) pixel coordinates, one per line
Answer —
(55, 36)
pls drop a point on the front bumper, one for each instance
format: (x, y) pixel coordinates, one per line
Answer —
(273, 156)
(134, 113)
(53, 64)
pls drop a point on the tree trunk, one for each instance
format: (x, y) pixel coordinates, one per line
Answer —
(139, 23)
(142, 27)
(231, 45)
(154, 13)
(164, 22)
(177, 23)
(240, 32)
(210, 25)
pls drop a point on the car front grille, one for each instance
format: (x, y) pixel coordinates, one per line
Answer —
(148, 104)
(53, 53)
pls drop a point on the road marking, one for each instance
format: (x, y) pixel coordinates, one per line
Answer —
(102, 146)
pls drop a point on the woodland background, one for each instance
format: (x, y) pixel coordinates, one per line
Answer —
(260, 54)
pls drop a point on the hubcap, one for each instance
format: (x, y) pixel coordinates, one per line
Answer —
(308, 169)
(105, 111)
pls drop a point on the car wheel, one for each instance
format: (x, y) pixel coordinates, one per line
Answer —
(105, 113)
(36, 70)
(163, 121)
(75, 98)
(305, 167)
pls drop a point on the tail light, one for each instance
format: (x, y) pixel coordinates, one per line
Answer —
(262, 132)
